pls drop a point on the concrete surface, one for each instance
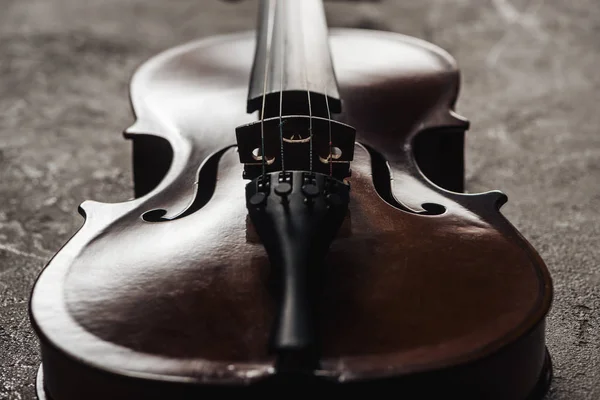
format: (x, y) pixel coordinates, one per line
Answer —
(531, 73)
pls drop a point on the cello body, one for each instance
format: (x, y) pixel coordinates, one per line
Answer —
(427, 290)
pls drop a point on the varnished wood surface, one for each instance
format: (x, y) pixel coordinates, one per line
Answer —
(202, 283)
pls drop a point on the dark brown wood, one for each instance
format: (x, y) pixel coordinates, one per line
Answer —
(136, 309)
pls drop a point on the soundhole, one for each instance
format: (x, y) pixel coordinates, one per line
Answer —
(207, 182)
(382, 183)
(154, 215)
(433, 208)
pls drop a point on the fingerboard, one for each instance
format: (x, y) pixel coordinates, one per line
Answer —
(293, 62)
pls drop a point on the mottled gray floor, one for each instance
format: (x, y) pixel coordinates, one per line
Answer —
(531, 74)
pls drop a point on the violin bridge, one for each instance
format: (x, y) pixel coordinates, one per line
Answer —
(287, 143)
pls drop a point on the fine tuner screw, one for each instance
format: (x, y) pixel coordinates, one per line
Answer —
(311, 191)
(258, 199)
(283, 189)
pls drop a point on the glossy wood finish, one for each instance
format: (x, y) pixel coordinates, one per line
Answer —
(186, 299)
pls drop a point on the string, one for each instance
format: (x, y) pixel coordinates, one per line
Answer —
(310, 121)
(270, 23)
(330, 140)
(282, 41)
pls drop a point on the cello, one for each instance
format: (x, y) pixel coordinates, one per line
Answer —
(299, 222)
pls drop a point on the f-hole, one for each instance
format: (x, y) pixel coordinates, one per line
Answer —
(381, 181)
(207, 182)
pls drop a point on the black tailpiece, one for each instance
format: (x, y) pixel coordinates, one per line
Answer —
(296, 215)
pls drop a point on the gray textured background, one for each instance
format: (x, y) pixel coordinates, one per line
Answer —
(531, 87)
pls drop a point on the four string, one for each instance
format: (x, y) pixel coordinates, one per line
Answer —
(276, 7)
